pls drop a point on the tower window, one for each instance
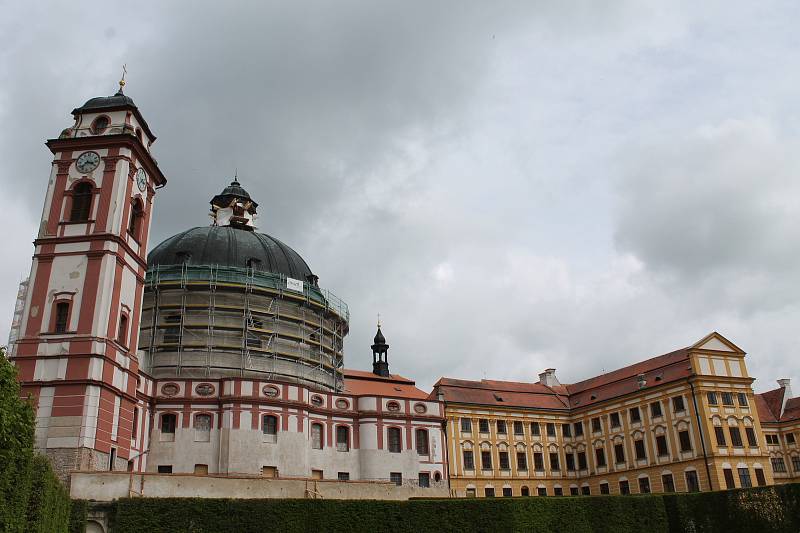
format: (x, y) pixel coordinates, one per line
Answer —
(99, 125)
(422, 442)
(122, 333)
(270, 428)
(342, 439)
(62, 317)
(168, 423)
(137, 215)
(316, 436)
(81, 203)
(395, 445)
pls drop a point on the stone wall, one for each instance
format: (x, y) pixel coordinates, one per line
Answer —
(108, 486)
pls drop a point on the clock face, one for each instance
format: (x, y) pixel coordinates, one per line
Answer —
(87, 162)
(141, 179)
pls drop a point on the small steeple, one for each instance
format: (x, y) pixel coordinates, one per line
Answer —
(233, 207)
(380, 361)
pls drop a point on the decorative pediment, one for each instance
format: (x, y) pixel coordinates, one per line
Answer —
(716, 342)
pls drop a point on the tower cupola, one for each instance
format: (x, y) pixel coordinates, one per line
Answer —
(233, 207)
(380, 362)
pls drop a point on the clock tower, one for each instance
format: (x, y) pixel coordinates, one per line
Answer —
(77, 347)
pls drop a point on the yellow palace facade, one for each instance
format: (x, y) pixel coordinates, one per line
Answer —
(683, 421)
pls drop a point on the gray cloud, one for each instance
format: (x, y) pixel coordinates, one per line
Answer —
(512, 185)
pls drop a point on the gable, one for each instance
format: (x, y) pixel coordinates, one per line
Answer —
(716, 342)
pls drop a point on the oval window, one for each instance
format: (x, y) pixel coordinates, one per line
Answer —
(341, 403)
(270, 391)
(420, 408)
(317, 400)
(393, 406)
(170, 389)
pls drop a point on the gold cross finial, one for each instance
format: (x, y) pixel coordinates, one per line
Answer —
(122, 81)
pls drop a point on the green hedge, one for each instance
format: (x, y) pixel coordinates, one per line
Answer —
(763, 510)
(31, 497)
(78, 512)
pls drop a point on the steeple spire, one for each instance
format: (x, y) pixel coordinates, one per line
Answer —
(380, 361)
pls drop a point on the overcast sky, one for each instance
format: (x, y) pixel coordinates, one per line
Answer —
(512, 186)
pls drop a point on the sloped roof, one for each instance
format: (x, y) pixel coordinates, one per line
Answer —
(769, 406)
(363, 383)
(658, 370)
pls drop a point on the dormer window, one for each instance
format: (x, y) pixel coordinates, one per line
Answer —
(99, 125)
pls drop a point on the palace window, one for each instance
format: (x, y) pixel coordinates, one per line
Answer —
(81, 202)
(269, 428)
(772, 440)
(760, 479)
(578, 429)
(395, 445)
(62, 317)
(692, 481)
(796, 464)
(736, 437)
(619, 453)
(525, 491)
(600, 454)
(685, 440)
(644, 485)
(586, 491)
(551, 429)
(541, 491)
(744, 478)
(661, 446)
(719, 432)
(573, 491)
(614, 418)
(504, 463)
(342, 439)
(569, 461)
(778, 464)
(486, 460)
(501, 427)
(519, 429)
(789, 439)
(582, 461)
(604, 488)
(742, 398)
(469, 460)
(638, 447)
(168, 423)
(316, 436)
(558, 491)
(728, 475)
(727, 399)
(712, 398)
(635, 415)
(624, 487)
(343, 476)
(466, 425)
(668, 482)
(554, 466)
(566, 430)
(655, 409)
(422, 441)
(535, 429)
(396, 478)
(488, 492)
(597, 426)
(522, 461)
(483, 425)
(677, 404)
(752, 441)
(538, 461)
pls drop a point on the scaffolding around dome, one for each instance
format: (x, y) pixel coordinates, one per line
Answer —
(211, 321)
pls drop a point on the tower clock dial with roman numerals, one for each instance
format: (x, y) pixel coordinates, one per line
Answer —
(87, 162)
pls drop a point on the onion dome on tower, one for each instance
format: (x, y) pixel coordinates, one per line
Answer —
(380, 362)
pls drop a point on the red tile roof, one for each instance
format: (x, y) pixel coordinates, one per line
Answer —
(769, 406)
(659, 370)
(362, 383)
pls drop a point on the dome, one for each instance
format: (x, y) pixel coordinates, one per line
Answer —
(106, 102)
(231, 247)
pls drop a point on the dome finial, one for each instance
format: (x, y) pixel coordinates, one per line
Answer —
(122, 80)
(379, 321)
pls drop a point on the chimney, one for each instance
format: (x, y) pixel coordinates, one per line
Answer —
(787, 392)
(548, 378)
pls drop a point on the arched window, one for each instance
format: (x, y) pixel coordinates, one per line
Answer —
(270, 428)
(99, 125)
(202, 428)
(61, 317)
(422, 441)
(316, 436)
(81, 202)
(395, 443)
(342, 439)
(137, 215)
(122, 332)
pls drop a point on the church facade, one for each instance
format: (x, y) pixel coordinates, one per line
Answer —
(218, 354)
